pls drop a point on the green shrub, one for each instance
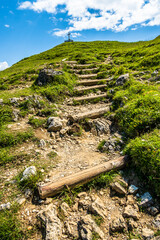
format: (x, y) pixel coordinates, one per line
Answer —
(7, 157)
(145, 154)
(101, 144)
(5, 114)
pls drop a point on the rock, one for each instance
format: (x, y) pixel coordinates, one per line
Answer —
(53, 225)
(132, 224)
(42, 143)
(97, 207)
(48, 201)
(132, 189)
(28, 193)
(64, 131)
(131, 211)
(28, 172)
(118, 188)
(5, 206)
(85, 203)
(14, 101)
(20, 201)
(54, 124)
(47, 76)
(147, 233)
(101, 126)
(65, 209)
(1, 101)
(122, 79)
(72, 229)
(155, 73)
(153, 211)
(87, 226)
(157, 221)
(75, 129)
(118, 224)
(130, 200)
(15, 115)
(82, 195)
(146, 200)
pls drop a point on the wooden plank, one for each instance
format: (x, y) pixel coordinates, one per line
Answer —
(81, 177)
(90, 114)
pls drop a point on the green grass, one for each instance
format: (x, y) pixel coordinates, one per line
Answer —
(145, 154)
(8, 139)
(36, 123)
(10, 227)
(101, 144)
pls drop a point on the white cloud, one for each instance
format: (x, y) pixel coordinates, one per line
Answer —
(3, 65)
(116, 15)
(7, 26)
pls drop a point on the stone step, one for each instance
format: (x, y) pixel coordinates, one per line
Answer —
(90, 88)
(92, 82)
(87, 76)
(88, 98)
(90, 114)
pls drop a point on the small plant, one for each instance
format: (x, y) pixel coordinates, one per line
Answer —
(52, 154)
(101, 144)
(98, 219)
(95, 236)
(36, 122)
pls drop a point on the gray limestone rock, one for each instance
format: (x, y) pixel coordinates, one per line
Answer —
(28, 172)
(146, 200)
(54, 124)
(118, 188)
(118, 224)
(147, 233)
(131, 211)
(47, 76)
(53, 225)
(122, 79)
(5, 206)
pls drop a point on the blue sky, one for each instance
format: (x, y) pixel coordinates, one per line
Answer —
(33, 26)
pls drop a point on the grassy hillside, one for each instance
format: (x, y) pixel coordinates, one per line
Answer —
(135, 106)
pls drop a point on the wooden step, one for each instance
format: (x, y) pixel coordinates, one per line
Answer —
(91, 114)
(90, 88)
(88, 98)
(87, 76)
(92, 82)
(85, 70)
(70, 62)
(83, 66)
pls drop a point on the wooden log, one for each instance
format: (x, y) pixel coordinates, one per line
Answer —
(92, 82)
(87, 98)
(91, 114)
(77, 89)
(81, 177)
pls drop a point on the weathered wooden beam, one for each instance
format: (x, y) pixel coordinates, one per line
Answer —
(90, 114)
(81, 177)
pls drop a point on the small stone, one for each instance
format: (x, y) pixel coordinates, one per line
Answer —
(82, 195)
(65, 209)
(48, 201)
(146, 200)
(1, 101)
(131, 211)
(42, 143)
(122, 79)
(28, 172)
(5, 206)
(132, 224)
(153, 211)
(20, 201)
(147, 233)
(28, 193)
(118, 188)
(118, 224)
(132, 189)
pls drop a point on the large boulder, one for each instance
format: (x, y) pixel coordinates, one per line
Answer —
(47, 76)
(121, 80)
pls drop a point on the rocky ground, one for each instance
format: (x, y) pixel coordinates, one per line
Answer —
(123, 210)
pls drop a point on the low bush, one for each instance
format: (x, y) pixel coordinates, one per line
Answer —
(36, 122)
